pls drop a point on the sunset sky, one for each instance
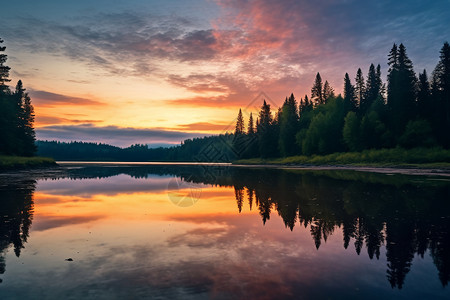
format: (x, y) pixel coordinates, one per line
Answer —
(158, 72)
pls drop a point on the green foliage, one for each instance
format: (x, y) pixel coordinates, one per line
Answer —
(324, 134)
(417, 133)
(288, 127)
(351, 132)
(17, 162)
(380, 157)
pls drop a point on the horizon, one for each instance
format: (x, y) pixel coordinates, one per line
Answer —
(159, 73)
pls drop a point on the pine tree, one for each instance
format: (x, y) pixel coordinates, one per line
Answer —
(267, 139)
(251, 127)
(288, 122)
(424, 104)
(401, 89)
(239, 136)
(7, 112)
(239, 124)
(4, 70)
(317, 90)
(441, 93)
(25, 120)
(307, 102)
(373, 90)
(360, 88)
(328, 91)
(349, 93)
(380, 84)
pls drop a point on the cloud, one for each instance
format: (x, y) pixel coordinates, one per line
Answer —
(204, 126)
(44, 98)
(50, 120)
(122, 137)
(252, 46)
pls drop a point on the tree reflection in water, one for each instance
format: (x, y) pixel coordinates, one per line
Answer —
(408, 215)
(16, 215)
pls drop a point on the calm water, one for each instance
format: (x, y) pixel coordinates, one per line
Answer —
(184, 232)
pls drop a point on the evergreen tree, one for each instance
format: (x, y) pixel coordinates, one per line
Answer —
(328, 91)
(288, 127)
(251, 145)
(239, 135)
(381, 87)
(373, 90)
(349, 93)
(401, 89)
(4, 70)
(26, 125)
(239, 124)
(267, 140)
(360, 88)
(251, 127)
(424, 96)
(317, 90)
(441, 92)
(7, 115)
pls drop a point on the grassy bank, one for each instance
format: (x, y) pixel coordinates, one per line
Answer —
(419, 157)
(17, 162)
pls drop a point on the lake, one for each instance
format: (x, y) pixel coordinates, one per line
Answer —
(222, 232)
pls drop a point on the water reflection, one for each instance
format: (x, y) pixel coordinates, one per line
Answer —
(394, 219)
(16, 215)
(409, 217)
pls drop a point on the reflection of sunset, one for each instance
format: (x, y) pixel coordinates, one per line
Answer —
(154, 205)
(253, 233)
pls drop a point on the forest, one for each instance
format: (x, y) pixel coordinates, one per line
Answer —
(17, 136)
(407, 112)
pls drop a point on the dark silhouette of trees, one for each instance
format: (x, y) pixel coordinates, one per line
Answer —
(401, 89)
(441, 95)
(266, 132)
(373, 90)
(424, 105)
(4, 70)
(328, 91)
(317, 90)
(349, 93)
(360, 87)
(16, 214)
(373, 211)
(288, 127)
(17, 136)
(408, 113)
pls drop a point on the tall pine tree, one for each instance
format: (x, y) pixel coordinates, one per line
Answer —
(317, 90)
(441, 94)
(349, 93)
(288, 127)
(360, 87)
(401, 89)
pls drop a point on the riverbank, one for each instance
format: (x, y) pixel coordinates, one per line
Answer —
(19, 163)
(397, 157)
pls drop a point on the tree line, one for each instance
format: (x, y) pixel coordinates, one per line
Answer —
(408, 112)
(17, 136)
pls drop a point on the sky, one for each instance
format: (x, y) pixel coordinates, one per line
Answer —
(158, 72)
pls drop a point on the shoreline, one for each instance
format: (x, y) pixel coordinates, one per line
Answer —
(13, 163)
(382, 169)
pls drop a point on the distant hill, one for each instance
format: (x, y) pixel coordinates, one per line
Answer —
(206, 149)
